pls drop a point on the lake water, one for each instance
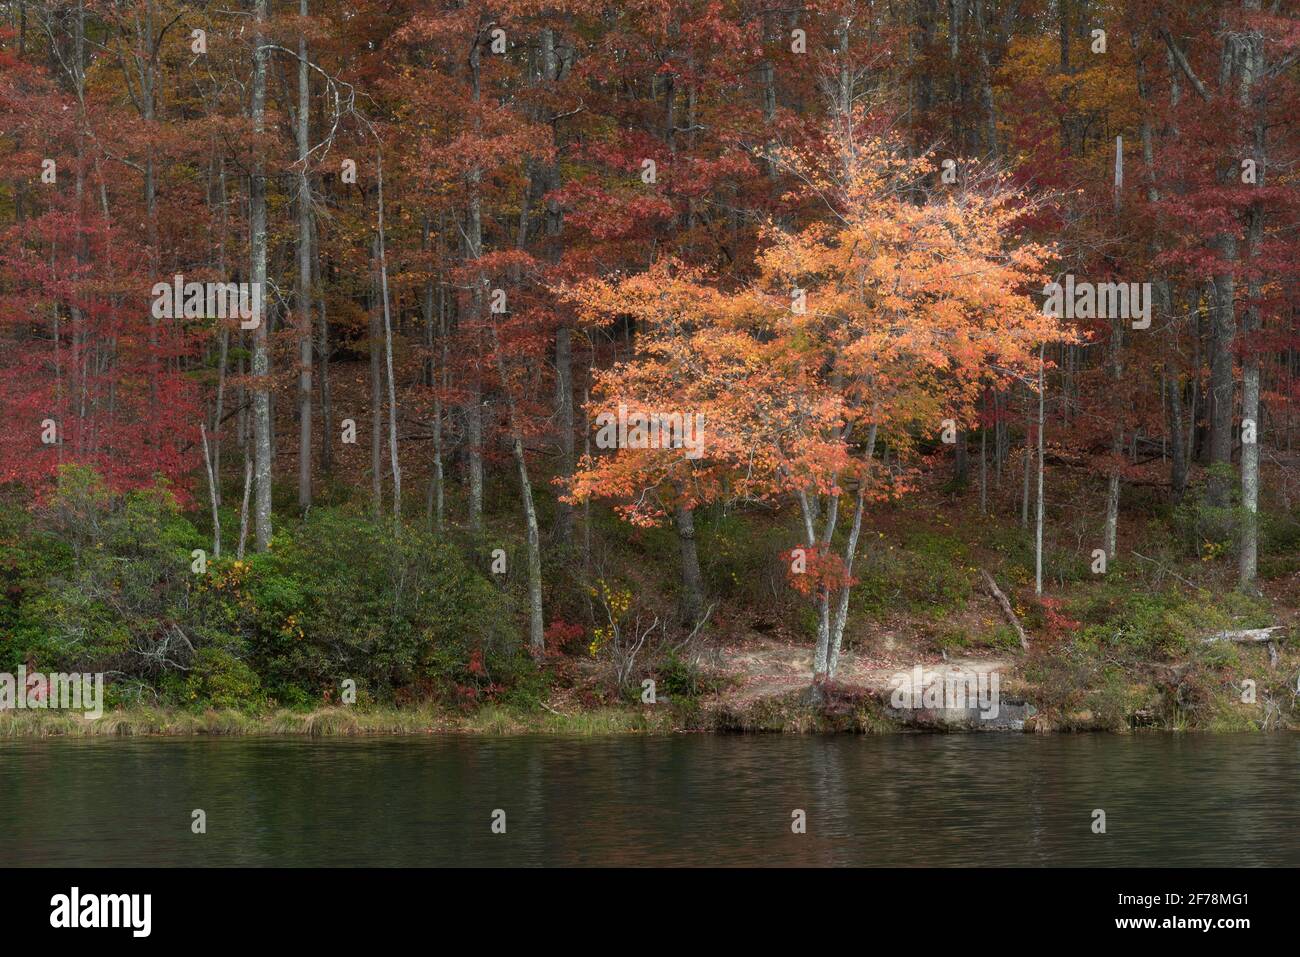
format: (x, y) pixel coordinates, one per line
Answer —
(902, 800)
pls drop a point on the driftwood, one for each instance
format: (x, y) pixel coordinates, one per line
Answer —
(1010, 614)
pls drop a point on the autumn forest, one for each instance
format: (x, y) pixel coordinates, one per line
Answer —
(659, 364)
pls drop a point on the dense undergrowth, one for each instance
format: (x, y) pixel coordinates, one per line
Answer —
(429, 637)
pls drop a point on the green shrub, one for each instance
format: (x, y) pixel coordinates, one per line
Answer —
(221, 680)
(676, 678)
(117, 598)
(28, 561)
(340, 596)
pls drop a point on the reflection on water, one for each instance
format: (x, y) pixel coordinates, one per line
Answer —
(961, 800)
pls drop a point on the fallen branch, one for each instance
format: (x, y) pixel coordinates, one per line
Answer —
(1167, 571)
(996, 592)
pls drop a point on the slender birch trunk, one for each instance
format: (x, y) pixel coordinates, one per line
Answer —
(388, 357)
(261, 355)
(1038, 530)
(304, 291)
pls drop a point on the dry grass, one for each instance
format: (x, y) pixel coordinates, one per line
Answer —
(331, 721)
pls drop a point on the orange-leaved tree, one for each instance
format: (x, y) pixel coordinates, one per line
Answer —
(863, 330)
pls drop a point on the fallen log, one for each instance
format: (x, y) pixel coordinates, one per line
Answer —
(1252, 634)
(1007, 610)
(1246, 634)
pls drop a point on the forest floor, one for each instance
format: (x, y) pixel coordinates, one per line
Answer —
(768, 668)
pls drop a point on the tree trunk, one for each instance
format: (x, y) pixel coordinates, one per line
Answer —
(212, 492)
(439, 482)
(304, 290)
(1251, 63)
(986, 83)
(536, 620)
(328, 438)
(1117, 439)
(1029, 458)
(1038, 528)
(1177, 448)
(388, 355)
(984, 471)
(376, 394)
(1063, 33)
(564, 413)
(435, 496)
(261, 356)
(850, 558)
(473, 252)
(564, 335)
(474, 439)
(692, 579)
(243, 510)
(148, 55)
(1164, 298)
(956, 10)
(1223, 332)
(223, 349)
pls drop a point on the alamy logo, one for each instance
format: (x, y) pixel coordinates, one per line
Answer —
(103, 910)
(1107, 300)
(179, 299)
(66, 692)
(651, 430)
(946, 690)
